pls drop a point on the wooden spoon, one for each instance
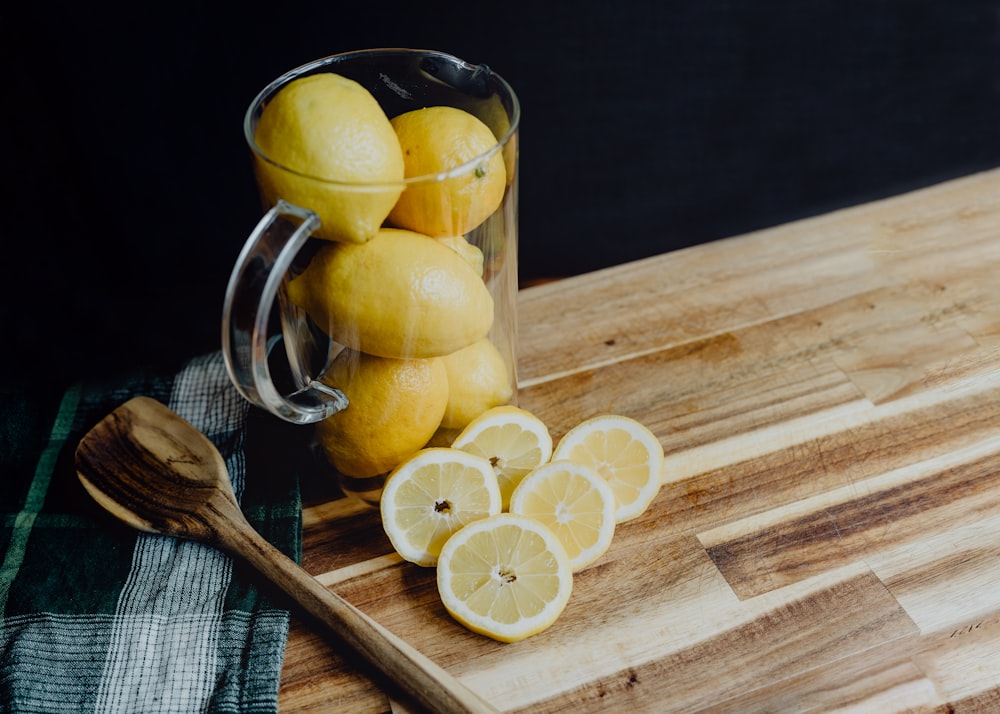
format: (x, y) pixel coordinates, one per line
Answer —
(158, 473)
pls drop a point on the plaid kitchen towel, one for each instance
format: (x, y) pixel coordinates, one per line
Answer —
(97, 617)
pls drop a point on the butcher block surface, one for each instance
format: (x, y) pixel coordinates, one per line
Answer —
(827, 538)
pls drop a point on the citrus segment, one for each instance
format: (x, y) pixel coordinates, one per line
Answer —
(433, 494)
(462, 151)
(401, 294)
(507, 577)
(514, 440)
(575, 502)
(624, 452)
(328, 146)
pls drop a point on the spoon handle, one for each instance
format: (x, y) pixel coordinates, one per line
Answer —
(428, 683)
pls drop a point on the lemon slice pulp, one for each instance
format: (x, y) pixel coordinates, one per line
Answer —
(433, 494)
(512, 439)
(575, 502)
(624, 452)
(506, 576)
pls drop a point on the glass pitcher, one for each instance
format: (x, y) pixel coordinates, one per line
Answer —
(317, 307)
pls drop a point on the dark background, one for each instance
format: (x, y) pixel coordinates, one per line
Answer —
(647, 126)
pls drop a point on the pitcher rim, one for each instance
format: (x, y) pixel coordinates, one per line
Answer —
(461, 169)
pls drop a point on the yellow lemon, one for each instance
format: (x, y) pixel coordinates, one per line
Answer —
(495, 116)
(505, 576)
(514, 440)
(401, 294)
(430, 496)
(624, 452)
(395, 405)
(477, 381)
(328, 146)
(575, 502)
(472, 254)
(456, 145)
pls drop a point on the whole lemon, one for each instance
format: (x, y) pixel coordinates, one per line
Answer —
(438, 139)
(401, 294)
(394, 408)
(470, 254)
(477, 381)
(328, 146)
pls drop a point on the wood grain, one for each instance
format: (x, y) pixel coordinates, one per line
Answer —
(828, 537)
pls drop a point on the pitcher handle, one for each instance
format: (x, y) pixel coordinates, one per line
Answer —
(247, 311)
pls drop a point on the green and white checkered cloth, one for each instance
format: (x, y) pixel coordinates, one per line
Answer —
(97, 617)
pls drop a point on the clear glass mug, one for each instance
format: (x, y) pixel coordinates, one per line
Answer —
(299, 359)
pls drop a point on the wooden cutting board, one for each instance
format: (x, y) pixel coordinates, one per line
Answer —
(828, 396)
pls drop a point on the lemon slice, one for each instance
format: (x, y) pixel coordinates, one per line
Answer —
(575, 502)
(507, 577)
(514, 440)
(431, 495)
(624, 452)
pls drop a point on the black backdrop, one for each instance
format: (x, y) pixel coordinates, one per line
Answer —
(647, 126)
